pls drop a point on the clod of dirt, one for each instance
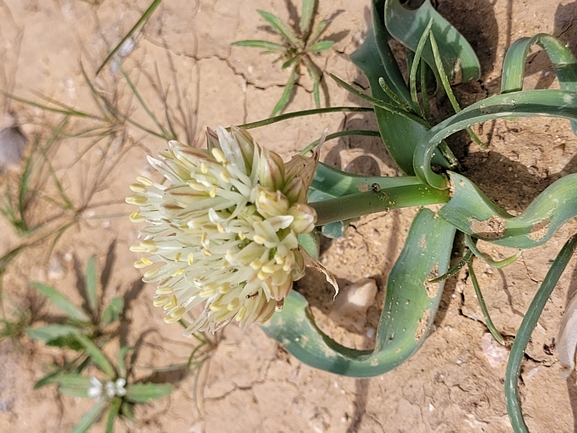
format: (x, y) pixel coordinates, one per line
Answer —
(351, 305)
(493, 351)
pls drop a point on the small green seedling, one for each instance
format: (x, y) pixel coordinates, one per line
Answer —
(114, 394)
(299, 44)
(93, 320)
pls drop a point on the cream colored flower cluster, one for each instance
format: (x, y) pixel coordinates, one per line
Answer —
(223, 232)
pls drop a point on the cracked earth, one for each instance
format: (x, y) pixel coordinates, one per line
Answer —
(184, 57)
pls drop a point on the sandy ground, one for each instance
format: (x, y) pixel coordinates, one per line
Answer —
(250, 383)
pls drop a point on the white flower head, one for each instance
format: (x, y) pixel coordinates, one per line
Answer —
(110, 388)
(223, 232)
(95, 391)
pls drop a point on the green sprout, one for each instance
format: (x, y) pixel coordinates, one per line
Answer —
(300, 43)
(92, 320)
(115, 394)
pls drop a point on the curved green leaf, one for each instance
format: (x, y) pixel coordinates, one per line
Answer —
(524, 335)
(473, 213)
(547, 103)
(399, 133)
(375, 59)
(459, 60)
(410, 306)
(561, 57)
(333, 182)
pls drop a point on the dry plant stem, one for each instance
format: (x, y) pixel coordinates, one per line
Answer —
(364, 203)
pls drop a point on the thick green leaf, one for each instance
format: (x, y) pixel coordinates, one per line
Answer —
(112, 311)
(410, 306)
(50, 332)
(524, 335)
(92, 286)
(90, 417)
(459, 60)
(97, 356)
(399, 133)
(142, 392)
(553, 103)
(337, 183)
(311, 243)
(473, 213)
(561, 57)
(61, 301)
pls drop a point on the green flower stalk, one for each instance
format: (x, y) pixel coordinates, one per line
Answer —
(224, 232)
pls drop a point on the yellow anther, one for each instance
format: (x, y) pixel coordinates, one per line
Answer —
(220, 228)
(137, 200)
(212, 192)
(225, 176)
(137, 187)
(178, 272)
(203, 168)
(256, 264)
(164, 290)
(150, 273)
(142, 263)
(144, 180)
(135, 217)
(176, 315)
(269, 269)
(206, 252)
(241, 236)
(259, 239)
(207, 291)
(190, 259)
(224, 288)
(218, 154)
(241, 313)
(216, 307)
(177, 257)
(161, 300)
(233, 305)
